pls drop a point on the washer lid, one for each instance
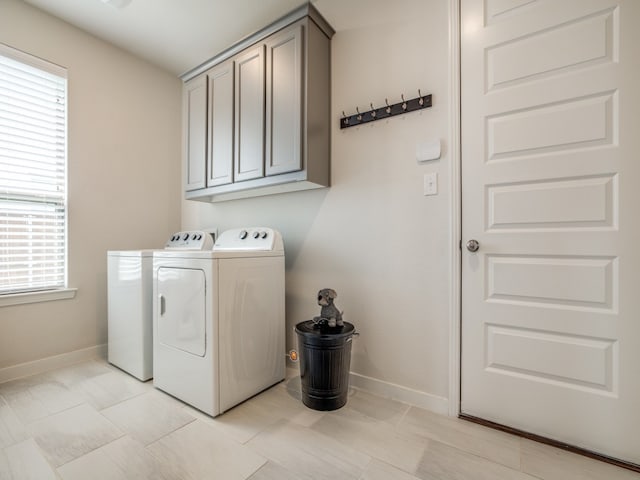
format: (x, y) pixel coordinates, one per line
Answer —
(130, 253)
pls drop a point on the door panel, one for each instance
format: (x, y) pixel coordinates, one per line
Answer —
(562, 203)
(550, 337)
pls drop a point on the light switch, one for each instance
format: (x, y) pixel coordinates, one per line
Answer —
(430, 183)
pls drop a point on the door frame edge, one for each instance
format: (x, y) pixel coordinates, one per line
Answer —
(455, 233)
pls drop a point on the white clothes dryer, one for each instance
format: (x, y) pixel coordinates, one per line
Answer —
(219, 319)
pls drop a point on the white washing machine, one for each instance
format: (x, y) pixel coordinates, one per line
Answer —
(129, 303)
(219, 319)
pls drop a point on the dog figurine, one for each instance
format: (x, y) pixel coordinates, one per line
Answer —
(329, 312)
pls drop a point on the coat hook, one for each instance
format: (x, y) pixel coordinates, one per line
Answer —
(386, 110)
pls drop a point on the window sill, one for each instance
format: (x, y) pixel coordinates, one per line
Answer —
(35, 297)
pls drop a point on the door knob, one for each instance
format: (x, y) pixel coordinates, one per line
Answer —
(473, 245)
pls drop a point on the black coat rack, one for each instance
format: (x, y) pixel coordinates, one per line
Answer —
(405, 106)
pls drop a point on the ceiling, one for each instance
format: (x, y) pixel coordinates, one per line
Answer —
(174, 34)
(179, 35)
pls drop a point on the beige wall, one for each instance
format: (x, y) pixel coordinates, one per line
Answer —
(373, 236)
(123, 153)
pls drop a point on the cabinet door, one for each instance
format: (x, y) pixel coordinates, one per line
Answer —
(249, 111)
(195, 132)
(220, 161)
(284, 102)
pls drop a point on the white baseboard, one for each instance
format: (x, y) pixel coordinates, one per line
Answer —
(57, 361)
(403, 394)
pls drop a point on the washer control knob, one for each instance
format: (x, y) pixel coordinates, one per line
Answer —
(256, 234)
(243, 234)
(263, 234)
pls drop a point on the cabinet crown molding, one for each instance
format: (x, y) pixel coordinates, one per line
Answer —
(306, 10)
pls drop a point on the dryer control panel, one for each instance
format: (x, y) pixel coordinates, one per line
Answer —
(242, 239)
(191, 240)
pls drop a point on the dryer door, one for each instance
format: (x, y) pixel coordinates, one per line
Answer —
(181, 320)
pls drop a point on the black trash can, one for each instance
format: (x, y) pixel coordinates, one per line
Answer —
(325, 360)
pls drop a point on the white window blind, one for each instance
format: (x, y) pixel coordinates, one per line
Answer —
(33, 197)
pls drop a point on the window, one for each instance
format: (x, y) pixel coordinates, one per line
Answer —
(33, 177)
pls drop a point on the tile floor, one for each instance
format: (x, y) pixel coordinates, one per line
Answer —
(92, 421)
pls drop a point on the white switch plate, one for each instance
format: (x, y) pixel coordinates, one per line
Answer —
(430, 183)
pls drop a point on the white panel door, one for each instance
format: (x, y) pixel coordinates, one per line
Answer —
(550, 142)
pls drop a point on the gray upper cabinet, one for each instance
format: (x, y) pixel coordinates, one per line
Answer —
(195, 132)
(249, 151)
(220, 141)
(257, 116)
(283, 151)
